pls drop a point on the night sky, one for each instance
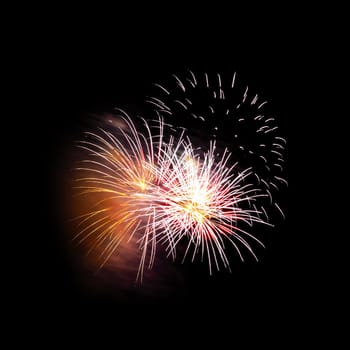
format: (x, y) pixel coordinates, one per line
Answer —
(90, 72)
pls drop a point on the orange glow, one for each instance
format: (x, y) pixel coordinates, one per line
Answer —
(142, 185)
(195, 211)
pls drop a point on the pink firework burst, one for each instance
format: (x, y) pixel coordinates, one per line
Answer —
(203, 200)
(159, 189)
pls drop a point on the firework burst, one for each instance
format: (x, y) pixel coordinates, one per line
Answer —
(118, 176)
(161, 190)
(213, 107)
(205, 202)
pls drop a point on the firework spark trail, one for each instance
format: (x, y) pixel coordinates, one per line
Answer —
(162, 190)
(226, 111)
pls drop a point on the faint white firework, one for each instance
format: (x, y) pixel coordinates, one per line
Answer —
(212, 107)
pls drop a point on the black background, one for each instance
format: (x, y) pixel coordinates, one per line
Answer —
(100, 66)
